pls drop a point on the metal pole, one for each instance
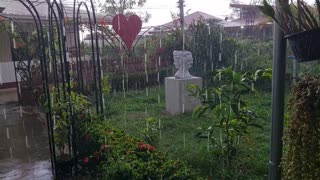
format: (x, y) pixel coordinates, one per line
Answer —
(181, 7)
(278, 95)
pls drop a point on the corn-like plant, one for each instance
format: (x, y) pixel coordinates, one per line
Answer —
(293, 16)
(224, 101)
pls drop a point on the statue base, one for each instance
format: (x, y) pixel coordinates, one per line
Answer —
(178, 100)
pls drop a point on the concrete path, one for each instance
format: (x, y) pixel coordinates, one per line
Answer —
(24, 147)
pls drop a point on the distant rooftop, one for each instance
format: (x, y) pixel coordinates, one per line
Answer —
(244, 6)
(250, 15)
(189, 19)
(242, 22)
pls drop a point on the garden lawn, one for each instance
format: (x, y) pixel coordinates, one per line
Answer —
(177, 135)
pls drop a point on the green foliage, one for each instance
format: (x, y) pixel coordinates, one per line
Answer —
(225, 99)
(252, 162)
(113, 7)
(206, 40)
(62, 112)
(309, 68)
(123, 157)
(302, 159)
(151, 133)
(106, 86)
(138, 80)
(254, 55)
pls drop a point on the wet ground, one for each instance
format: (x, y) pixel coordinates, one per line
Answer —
(24, 147)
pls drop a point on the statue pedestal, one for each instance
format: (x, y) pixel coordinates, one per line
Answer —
(177, 97)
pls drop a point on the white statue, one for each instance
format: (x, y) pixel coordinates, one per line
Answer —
(183, 61)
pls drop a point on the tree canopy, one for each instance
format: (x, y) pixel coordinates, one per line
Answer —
(126, 7)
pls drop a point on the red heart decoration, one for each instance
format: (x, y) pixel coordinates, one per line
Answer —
(129, 29)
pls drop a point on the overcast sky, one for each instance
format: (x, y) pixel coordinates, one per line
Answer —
(160, 9)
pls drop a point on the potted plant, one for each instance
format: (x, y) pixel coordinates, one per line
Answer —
(301, 24)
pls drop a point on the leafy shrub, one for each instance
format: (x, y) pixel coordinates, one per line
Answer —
(63, 109)
(302, 159)
(138, 80)
(123, 157)
(150, 133)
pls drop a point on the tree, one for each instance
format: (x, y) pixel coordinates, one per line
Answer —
(127, 7)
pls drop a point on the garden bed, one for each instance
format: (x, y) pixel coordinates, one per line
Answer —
(108, 152)
(177, 135)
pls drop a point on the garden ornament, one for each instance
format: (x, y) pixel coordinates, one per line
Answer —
(183, 61)
(129, 29)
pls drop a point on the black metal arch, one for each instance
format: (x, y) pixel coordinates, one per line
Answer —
(94, 49)
(36, 17)
(58, 58)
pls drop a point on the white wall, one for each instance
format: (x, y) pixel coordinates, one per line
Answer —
(7, 74)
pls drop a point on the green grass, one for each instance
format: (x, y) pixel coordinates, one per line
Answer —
(178, 132)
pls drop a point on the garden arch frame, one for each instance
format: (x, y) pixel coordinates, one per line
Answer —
(56, 46)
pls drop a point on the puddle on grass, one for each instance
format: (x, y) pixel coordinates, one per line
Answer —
(24, 147)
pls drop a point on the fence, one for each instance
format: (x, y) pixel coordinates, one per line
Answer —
(132, 70)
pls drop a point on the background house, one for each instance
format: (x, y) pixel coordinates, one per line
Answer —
(20, 14)
(249, 23)
(188, 20)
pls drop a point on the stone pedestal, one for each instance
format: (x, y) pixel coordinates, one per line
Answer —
(177, 97)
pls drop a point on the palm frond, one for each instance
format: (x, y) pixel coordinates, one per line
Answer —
(293, 16)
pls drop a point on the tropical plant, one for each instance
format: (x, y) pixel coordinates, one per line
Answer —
(230, 114)
(294, 16)
(151, 133)
(302, 158)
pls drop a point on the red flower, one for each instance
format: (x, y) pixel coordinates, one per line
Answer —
(142, 146)
(82, 116)
(96, 154)
(151, 148)
(104, 147)
(86, 160)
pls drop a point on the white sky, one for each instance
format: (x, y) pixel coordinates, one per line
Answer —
(160, 9)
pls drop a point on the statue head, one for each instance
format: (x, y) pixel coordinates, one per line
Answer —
(183, 62)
